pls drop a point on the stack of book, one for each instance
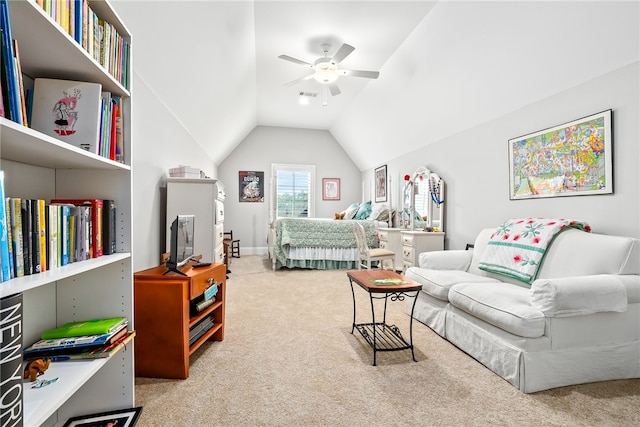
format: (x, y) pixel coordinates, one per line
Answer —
(90, 339)
(200, 328)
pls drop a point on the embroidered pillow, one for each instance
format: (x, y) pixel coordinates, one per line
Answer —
(351, 211)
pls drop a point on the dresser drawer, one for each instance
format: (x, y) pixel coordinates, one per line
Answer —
(407, 253)
(201, 282)
(407, 240)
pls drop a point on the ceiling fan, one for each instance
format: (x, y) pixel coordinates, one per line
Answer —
(326, 70)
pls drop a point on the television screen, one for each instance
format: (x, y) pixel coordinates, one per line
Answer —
(184, 238)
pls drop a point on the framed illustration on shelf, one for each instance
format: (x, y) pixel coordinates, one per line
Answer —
(251, 185)
(120, 418)
(380, 179)
(571, 159)
(330, 188)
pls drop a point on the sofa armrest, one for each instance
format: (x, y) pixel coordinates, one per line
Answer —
(445, 260)
(579, 295)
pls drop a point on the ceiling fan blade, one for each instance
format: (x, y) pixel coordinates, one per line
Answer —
(334, 89)
(360, 73)
(297, 61)
(342, 53)
(301, 79)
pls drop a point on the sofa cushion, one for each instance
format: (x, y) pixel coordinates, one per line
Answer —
(438, 282)
(573, 296)
(503, 305)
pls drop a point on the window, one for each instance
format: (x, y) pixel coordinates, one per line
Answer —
(292, 190)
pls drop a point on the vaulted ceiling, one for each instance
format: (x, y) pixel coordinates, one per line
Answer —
(444, 66)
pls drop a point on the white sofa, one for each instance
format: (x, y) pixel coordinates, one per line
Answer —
(578, 322)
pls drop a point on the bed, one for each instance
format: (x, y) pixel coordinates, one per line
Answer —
(318, 243)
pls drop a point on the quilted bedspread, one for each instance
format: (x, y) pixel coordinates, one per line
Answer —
(518, 246)
(318, 233)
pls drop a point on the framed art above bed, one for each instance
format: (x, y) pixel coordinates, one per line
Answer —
(380, 179)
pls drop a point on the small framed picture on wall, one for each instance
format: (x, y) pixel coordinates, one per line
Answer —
(330, 188)
(380, 179)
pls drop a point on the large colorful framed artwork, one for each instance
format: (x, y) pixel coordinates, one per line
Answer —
(571, 159)
(251, 185)
(380, 179)
(330, 188)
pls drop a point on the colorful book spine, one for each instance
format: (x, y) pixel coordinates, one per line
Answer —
(11, 361)
(5, 268)
(54, 225)
(12, 267)
(16, 236)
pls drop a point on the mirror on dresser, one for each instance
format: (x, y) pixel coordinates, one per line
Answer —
(426, 190)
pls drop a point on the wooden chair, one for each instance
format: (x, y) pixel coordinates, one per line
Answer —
(366, 255)
(234, 245)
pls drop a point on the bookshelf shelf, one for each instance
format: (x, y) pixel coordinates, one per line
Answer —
(37, 166)
(31, 26)
(40, 404)
(25, 145)
(25, 283)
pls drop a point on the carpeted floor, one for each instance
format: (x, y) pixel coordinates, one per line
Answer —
(289, 359)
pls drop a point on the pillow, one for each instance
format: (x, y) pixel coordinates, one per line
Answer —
(351, 211)
(363, 211)
(377, 210)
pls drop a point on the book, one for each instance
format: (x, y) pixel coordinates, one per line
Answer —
(79, 343)
(16, 235)
(85, 327)
(5, 268)
(109, 227)
(91, 352)
(25, 210)
(12, 270)
(54, 225)
(42, 229)
(35, 236)
(68, 110)
(96, 221)
(11, 316)
(8, 65)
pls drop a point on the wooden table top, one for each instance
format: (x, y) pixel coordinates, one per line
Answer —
(381, 281)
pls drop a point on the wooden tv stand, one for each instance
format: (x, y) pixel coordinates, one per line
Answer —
(163, 320)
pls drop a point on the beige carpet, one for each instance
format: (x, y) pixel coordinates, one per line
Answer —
(289, 359)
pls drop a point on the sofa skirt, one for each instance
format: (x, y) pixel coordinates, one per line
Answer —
(531, 365)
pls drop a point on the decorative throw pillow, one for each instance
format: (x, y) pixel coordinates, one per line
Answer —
(376, 210)
(351, 211)
(363, 211)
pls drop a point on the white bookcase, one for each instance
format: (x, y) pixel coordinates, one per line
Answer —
(38, 166)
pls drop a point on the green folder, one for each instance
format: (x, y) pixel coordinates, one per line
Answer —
(85, 327)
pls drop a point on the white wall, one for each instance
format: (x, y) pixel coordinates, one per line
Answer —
(160, 142)
(474, 163)
(266, 145)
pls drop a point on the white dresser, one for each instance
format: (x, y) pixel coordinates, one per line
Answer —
(391, 239)
(203, 198)
(416, 242)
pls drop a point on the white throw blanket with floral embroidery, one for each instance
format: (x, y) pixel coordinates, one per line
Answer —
(517, 247)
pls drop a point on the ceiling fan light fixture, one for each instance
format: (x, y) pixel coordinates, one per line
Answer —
(325, 76)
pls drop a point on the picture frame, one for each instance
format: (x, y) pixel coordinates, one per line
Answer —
(251, 186)
(380, 179)
(330, 188)
(571, 159)
(120, 418)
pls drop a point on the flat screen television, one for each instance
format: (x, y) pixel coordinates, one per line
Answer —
(181, 242)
